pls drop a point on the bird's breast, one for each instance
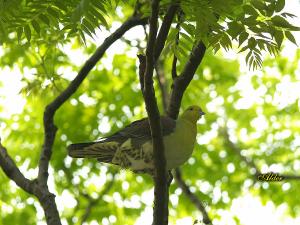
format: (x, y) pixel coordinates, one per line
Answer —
(180, 144)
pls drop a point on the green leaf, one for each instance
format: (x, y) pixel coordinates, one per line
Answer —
(53, 13)
(242, 38)
(259, 5)
(234, 29)
(285, 14)
(256, 29)
(270, 9)
(214, 39)
(244, 48)
(248, 56)
(36, 26)
(281, 22)
(248, 9)
(279, 5)
(216, 48)
(278, 35)
(86, 30)
(82, 36)
(250, 20)
(19, 34)
(186, 37)
(86, 23)
(99, 5)
(251, 42)
(76, 15)
(99, 16)
(44, 19)
(92, 20)
(189, 28)
(261, 44)
(290, 36)
(27, 32)
(182, 51)
(84, 4)
(226, 42)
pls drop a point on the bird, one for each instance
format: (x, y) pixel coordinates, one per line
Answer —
(131, 147)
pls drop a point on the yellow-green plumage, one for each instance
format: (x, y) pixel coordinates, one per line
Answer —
(131, 147)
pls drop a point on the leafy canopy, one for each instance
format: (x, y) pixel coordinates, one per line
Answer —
(256, 26)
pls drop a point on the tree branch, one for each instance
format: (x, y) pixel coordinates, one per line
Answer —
(162, 82)
(93, 202)
(47, 199)
(178, 178)
(49, 127)
(12, 171)
(182, 81)
(174, 63)
(238, 151)
(142, 69)
(160, 213)
(164, 30)
(250, 163)
(193, 198)
(290, 177)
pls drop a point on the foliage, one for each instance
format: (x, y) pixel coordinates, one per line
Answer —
(34, 35)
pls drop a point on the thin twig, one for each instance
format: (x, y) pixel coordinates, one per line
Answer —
(93, 202)
(193, 198)
(290, 177)
(249, 162)
(174, 63)
(238, 151)
(163, 84)
(182, 81)
(142, 69)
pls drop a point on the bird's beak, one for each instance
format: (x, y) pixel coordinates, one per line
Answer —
(202, 113)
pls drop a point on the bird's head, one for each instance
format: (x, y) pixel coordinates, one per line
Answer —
(192, 113)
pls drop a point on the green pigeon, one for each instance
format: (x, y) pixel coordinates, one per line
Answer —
(131, 147)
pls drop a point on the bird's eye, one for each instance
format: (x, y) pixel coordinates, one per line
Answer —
(191, 108)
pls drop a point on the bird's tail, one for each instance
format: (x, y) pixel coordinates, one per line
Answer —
(103, 151)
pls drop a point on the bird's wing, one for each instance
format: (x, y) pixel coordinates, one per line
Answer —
(139, 131)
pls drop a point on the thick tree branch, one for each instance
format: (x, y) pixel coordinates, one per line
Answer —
(193, 198)
(160, 214)
(182, 81)
(42, 192)
(178, 177)
(49, 127)
(164, 30)
(45, 197)
(12, 171)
